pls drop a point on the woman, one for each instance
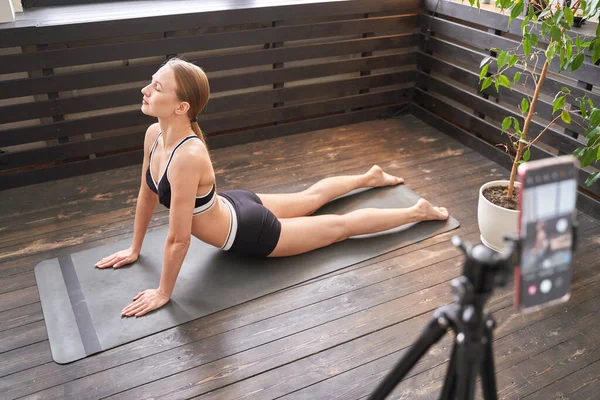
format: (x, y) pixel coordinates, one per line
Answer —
(177, 172)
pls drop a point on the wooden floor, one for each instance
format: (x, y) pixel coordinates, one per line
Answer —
(331, 338)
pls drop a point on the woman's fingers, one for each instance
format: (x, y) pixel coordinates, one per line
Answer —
(133, 308)
(145, 310)
(138, 295)
(108, 261)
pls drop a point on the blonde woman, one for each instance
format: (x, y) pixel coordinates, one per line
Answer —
(177, 172)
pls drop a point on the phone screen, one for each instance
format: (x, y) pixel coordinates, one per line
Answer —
(547, 204)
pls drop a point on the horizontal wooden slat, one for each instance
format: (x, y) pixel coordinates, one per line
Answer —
(471, 57)
(463, 126)
(134, 118)
(483, 40)
(221, 122)
(132, 158)
(493, 19)
(494, 110)
(194, 15)
(110, 76)
(175, 45)
(242, 81)
(511, 96)
(231, 121)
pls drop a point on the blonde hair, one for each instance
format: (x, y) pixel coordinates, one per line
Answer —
(192, 87)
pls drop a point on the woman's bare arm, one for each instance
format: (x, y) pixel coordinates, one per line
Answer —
(184, 175)
(147, 199)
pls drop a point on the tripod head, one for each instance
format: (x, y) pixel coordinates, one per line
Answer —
(483, 270)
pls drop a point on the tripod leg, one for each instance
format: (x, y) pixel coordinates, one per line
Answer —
(432, 333)
(449, 388)
(488, 372)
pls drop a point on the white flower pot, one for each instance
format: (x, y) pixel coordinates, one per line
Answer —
(494, 221)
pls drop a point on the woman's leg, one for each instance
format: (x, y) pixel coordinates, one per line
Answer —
(291, 205)
(302, 234)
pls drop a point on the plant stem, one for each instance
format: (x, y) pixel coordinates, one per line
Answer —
(536, 95)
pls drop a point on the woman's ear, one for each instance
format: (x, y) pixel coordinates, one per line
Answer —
(183, 108)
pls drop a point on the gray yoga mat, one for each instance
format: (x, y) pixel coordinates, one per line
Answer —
(82, 304)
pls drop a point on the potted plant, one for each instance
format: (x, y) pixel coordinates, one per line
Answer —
(549, 23)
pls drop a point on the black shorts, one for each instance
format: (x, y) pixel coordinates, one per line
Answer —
(258, 229)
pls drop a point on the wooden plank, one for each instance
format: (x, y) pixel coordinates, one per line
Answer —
(516, 339)
(495, 20)
(122, 160)
(175, 45)
(511, 96)
(585, 203)
(20, 316)
(483, 40)
(62, 151)
(56, 26)
(219, 122)
(229, 121)
(471, 57)
(241, 319)
(117, 75)
(100, 101)
(496, 111)
(133, 118)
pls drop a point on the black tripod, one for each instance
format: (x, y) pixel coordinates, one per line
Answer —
(472, 351)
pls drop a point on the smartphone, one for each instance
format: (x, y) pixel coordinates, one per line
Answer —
(547, 198)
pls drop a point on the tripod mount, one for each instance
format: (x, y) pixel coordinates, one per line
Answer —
(472, 353)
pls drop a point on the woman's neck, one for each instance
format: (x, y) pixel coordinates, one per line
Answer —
(174, 130)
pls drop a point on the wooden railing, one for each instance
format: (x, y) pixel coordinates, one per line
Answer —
(72, 107)
(454, 40)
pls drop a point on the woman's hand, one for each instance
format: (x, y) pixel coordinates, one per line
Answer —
(119, 259)
(145, 302)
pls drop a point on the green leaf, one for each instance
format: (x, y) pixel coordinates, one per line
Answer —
(506, 123)
(568, 15)
(588, 158)
(591, 131)
(527, 46)
(558, 103)
(569, 50)
(555, 33)
(486, 83)
(526, 155)
(502, 59)
(534, 39)
(516, 126)
(516, 11)
(550, 52)
(516, 77)
(593, 177)
(503, 80)
(524, 105)
(558, 16)
(484, 71)
(577, 62)
(585, 45)
(578, 43)
(513, 60)
(595, 116)
(484, 61)
(582, 109)
(596, 54)
(524, 24)
(565, 116)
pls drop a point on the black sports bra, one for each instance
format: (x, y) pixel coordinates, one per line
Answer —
(163, 188)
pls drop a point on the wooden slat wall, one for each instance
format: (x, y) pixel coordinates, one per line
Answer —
(69, 108)
(447, 88)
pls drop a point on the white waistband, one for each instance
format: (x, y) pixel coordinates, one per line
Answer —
(232, 225)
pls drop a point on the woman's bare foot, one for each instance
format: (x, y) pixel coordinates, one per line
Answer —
(427, 212)
(376, 177)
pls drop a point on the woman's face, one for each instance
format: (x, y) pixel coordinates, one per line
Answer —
(160, 99)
